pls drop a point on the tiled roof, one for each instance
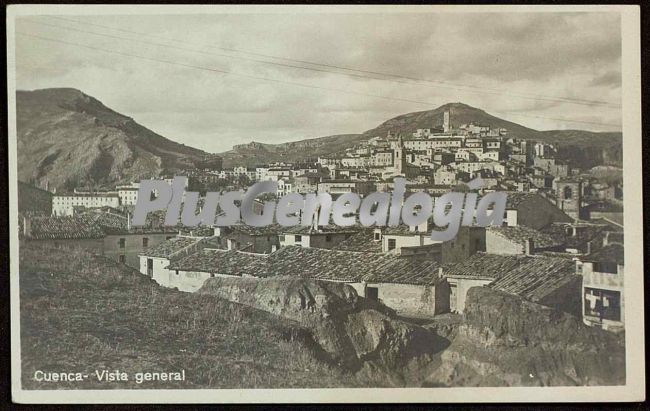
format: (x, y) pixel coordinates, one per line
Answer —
(539, 277)
(200, 231)
(350, 266)
(314, 263)
(63, 228)
(169, 247)
(610, 253)
(301, 229)
(583, 233)
(271, 229)
(363, 241)
(519, 234)
(486, 266)
(516, 198)
(228, 262)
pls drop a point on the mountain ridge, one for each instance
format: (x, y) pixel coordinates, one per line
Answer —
(67, 138)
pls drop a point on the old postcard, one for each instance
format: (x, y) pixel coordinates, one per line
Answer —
(276, 204)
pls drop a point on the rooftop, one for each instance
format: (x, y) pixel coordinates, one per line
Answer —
(229, 262)
(314, 263)
(351, 266)
(363, 241)
(170, 247)
(519, 234)
(538, 278)
(493, 266)
(610, 253)
(63, 228)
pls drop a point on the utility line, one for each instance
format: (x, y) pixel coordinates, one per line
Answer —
(429, 104)
(439, 83)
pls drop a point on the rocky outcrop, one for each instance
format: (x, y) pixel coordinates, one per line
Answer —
(508, 341)
(360, 335)
(69, 139)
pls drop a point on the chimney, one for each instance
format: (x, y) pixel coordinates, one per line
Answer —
(27, 227)
(529, 247)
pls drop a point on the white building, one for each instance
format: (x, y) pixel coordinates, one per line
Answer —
(63, 205)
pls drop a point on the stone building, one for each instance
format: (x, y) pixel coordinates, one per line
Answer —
(569, 197)
(603, 300)
(154, 262)
(544, 279)
(532, 210)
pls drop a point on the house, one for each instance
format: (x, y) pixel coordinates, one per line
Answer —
(550, 281)
(308, 236)
(482, 269)
(394, 239)
(411, 287)
(122, 242)
(155, 260)
(365, 240)
(603, 299)
(260, 240)
(64, 204)
(520, 240)
(63, 232)
(579, 238)
(468, 241)
(532, 210)
(190, 272)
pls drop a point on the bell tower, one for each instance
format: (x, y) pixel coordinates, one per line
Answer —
(569, 197)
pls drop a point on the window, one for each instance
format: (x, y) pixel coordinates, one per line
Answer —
(145, 242)
(122, 242)
(568, 193)
(391, 244)
(606, 267)
(372, 293)
(298, 238)
(176, 272)
(282, 238)
(328, 238)
(169, 237)
(377, 236)
(122, 258)
(604, 304)
(150, 267)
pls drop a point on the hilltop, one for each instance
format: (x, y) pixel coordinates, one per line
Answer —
(460, 113)
(68, 138)
(587, 149)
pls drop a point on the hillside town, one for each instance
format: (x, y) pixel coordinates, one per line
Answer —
(561, 244)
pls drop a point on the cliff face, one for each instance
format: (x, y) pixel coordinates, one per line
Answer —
(507, 341)
(362, 336)
(68, 138)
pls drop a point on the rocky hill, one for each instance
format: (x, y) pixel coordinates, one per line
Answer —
(507, 341)
(362, 336)
(256, 153)
(33, 200)
(585, 149)
(68, 138)
(460, 114)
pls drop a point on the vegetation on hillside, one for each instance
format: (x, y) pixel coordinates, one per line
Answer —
(81, 313)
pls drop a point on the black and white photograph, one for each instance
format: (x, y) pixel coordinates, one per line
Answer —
(310, 203)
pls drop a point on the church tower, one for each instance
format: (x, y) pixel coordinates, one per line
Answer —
(569, 197)
(446, 121)
(399, 157)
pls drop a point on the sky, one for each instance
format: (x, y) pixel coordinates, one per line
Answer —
(214, 80)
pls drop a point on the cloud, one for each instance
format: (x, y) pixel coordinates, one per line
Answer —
(501, 62)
